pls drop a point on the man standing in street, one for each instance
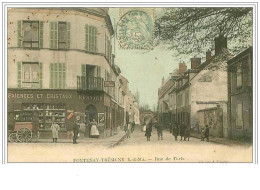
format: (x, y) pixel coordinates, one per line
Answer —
(133, 126)
(175, 131)
(148, 132)
(75, 131)
(159, 131)
(207, 133)
(182, 130)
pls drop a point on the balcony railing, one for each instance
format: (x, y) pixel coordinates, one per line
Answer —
(90, 83)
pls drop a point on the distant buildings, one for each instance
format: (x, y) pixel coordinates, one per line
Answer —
(199, 96)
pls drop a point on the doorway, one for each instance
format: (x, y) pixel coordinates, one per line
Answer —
(90, 113)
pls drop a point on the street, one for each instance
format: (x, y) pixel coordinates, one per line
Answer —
(134, 149)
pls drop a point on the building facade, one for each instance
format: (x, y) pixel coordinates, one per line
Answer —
(60, 62)
(240, 89)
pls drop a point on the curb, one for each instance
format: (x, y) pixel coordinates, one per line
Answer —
(119, 141)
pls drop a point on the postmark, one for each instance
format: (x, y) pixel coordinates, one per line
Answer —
(135, 30)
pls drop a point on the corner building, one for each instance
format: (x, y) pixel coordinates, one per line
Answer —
(58, 60)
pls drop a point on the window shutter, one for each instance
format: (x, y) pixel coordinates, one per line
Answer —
(19, 74)
(19, 33)
(40, 74)
(53, 35)
(51, 75)
(41, 34)
(83, 69)
(68, 35)
(105, 45)
(64, 75)
(87, 37)
(95, 39)
(98, 72)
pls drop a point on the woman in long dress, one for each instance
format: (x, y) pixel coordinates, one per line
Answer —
(94, 130)
(55, 131)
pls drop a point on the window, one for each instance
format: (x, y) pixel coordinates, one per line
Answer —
(57, 75)
(59, 35)
(91, 38)
(30, 34)
(239, 115)
(239, 77)
(30, 75)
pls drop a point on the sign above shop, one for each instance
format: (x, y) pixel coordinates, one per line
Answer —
(109, 84)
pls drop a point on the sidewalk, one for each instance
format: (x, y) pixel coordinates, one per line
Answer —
(223, 140)
(112, 140)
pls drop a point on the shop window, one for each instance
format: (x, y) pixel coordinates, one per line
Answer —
(30, 34)
(239, 77)
(90, 38)
(239, 115)
(30, 75)
(59, 35)
(57, 75)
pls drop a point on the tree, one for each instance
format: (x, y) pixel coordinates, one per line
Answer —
(190, 30)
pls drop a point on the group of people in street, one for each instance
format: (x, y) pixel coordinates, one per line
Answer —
(182, 130)
(76, 129)
(129, 128)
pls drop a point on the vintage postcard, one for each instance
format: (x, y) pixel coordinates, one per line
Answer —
(130, 84)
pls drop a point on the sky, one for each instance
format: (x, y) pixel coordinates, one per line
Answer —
(144, 69)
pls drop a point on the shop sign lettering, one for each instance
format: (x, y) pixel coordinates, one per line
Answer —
(38, 96)
(93, 98)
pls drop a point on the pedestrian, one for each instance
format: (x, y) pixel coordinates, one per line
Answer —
(133, 126)
(170, 126)
(175, 131)
(75, 131)
(128, 130)
(125, 128)
(207, 133)
(55, 130)
(94, 130)
(159, 131)
(202, 134)
(148, 132)
(182, 130)
(187, 134)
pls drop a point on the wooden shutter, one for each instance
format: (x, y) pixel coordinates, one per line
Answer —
(19, 33)
(64, 76)
(87, 37)
(98, 71)
(41, 34)
(95, 39)
(40, 74)
(83, 69)
(19, 74)
(68, 35)
(53, 35)
(51, 75)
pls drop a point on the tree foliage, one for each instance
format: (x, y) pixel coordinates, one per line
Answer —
(190, 30)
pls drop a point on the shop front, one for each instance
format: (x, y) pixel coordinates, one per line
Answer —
(63, 106)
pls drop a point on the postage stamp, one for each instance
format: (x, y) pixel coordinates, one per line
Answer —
(135, 29)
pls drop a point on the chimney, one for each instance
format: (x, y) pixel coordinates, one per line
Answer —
(208, 56)
(163, 80)
(195, 62)
(182, 68)
(220, 43)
